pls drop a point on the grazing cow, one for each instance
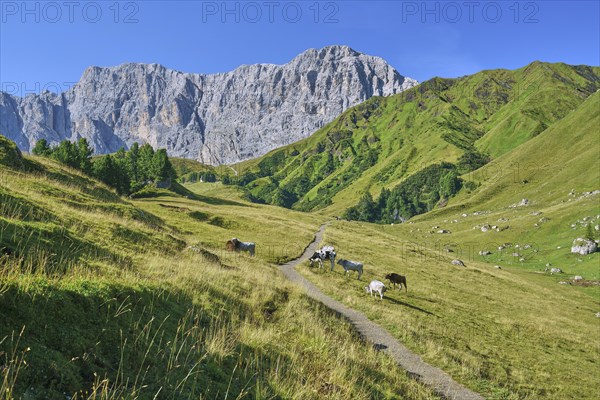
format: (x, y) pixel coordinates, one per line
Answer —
(396, 279)
(325, 253)
(236, 245)
(351, 266)
(316, 257)
(377, 287)
(328, 253)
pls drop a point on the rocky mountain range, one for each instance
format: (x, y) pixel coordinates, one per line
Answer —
(213, 118)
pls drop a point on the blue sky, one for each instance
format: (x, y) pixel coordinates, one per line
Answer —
(49, 44)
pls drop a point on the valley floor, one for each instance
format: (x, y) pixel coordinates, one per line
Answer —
(107, 298)
(435, 378)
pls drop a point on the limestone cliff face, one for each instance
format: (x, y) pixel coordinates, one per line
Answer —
(216, 118)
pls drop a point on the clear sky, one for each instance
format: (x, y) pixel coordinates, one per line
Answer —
(49, 44)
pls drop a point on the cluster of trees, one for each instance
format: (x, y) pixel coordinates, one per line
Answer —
(197, 176)
(418, 194)
(284, 178)
(126, 171)
(471, 160)
(75, 155)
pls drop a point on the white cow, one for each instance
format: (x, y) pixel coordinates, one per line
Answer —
(377, 287)
(351, 266)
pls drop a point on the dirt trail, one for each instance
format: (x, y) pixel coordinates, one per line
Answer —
(416, 368)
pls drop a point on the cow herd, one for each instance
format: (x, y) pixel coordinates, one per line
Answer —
(375, 287)
(327, 253)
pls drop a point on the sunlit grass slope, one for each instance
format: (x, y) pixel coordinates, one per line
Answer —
(102, 298)
(383, 140)
(506, 332)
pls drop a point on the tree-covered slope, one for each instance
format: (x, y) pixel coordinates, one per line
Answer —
(382, 141)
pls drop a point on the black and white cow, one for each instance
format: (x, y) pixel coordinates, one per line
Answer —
(325, 253)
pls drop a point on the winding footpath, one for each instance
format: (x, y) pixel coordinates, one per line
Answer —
(416, 368)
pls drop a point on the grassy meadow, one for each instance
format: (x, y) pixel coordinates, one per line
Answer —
(107, 297)
(513, 332)
(505, 333)
(102, 297)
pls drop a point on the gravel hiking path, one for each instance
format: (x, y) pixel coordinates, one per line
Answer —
(415, 367)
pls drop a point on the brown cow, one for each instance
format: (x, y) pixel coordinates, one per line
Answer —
(396, 279)
(231, 245)
(236, 245)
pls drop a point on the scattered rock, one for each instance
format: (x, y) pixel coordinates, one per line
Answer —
(564, 283)
(485, 228)
(521, 259)
(458, 262)
(443, 231)
(588, 194)
(584, 246)
(598, 315)
(497, 267)
(548, 265)
(523, 202)
(516, 255)
(578, 278)
(555, 271)
(536, 213)
(485, 253)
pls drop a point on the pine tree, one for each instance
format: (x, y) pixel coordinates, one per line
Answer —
(133, 156)
(84, 156)
(66, 153)
(145, 162)
(162, 170)
(41, 148)
(122, 179)
(367, 209)
(104, 170)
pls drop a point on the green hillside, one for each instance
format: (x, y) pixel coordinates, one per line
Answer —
(107, 298)
(380, 142)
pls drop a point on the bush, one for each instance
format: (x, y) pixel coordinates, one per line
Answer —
(10, 155)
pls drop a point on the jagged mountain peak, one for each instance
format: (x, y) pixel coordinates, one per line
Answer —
(214, 118)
